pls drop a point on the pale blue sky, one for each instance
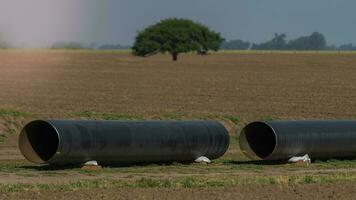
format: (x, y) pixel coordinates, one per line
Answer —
(42, 22)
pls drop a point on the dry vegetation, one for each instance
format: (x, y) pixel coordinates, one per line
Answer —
(234, 88)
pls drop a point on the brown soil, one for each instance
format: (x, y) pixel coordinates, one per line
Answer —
(252, 86)
(305, 192)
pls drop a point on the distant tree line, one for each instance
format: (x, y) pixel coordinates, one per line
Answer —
(5, 45)
(315, 41)
(235, 45)
(347, 47)
(78, 45)
(69, 45)
(113, 47)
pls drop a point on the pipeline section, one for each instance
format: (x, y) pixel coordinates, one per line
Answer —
(281, 140)
(64, 142)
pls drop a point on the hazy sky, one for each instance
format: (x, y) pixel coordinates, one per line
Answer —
(39, 23)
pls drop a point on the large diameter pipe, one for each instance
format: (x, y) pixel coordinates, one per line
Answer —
(281, 140)
(121, 142)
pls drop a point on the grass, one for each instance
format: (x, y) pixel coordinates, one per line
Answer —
(12, 113)
(334, 163)
(232, 118)
(221, 167)
(10, 126)
(2, 138)
(107, 116)
(171, 116)
(166, 116)
(188, 182)
(10, 121)
(178, 116)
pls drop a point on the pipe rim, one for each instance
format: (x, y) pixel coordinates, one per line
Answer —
(26, 147)
(246, 148)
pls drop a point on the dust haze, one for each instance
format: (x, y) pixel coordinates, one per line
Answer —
(39, 23)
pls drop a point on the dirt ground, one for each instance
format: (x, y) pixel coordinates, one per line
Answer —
(250, 86)
(305, 192)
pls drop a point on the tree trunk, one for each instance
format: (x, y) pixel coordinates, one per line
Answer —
(175, 56)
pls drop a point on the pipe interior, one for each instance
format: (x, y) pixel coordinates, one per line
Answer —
(39, 141)
(258, 139)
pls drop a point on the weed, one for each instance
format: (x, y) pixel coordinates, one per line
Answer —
(9, 188)
(12, 113)
(2, 138)
(292, 180)
(232, 118)
(107, 116)
(309, 179)
(189, 183)
(171, 116)
(150, 183)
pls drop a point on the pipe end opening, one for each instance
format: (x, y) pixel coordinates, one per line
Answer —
(39, 141)
(258, 140)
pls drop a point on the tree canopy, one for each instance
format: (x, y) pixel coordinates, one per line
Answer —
(176, 36)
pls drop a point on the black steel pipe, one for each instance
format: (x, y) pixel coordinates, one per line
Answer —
(281, 140)
(121, 142)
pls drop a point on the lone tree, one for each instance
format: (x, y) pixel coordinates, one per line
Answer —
(176, 36)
